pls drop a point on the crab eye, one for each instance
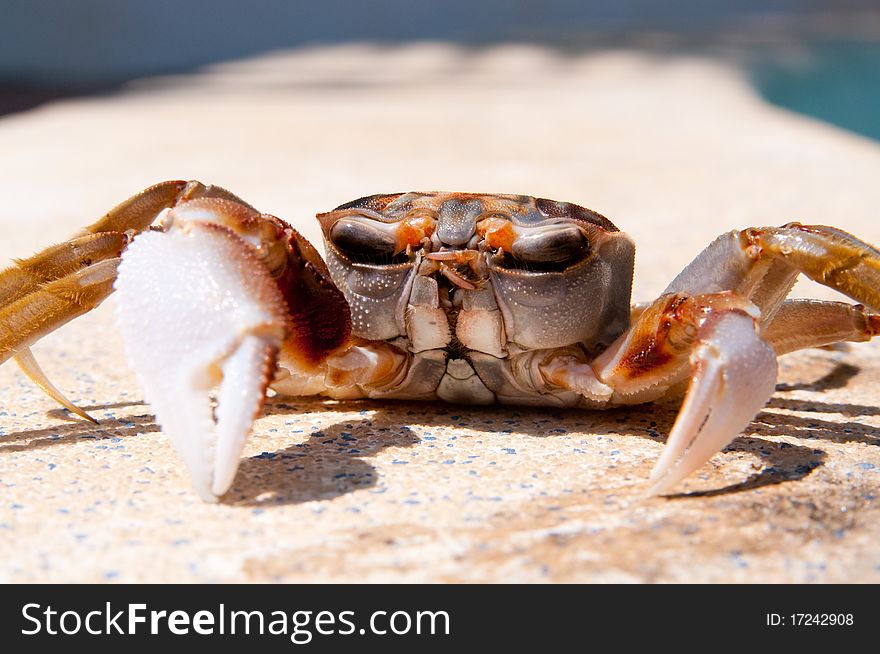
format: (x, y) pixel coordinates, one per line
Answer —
(550, 247)
(364, 242)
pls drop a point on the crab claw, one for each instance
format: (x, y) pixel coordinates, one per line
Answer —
(733, 376)
(202, 320)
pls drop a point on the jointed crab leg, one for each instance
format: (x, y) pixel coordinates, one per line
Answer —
(800, 324)
(43, 292)
(208, 300)
(29, 318)
(140, 210)
(723, 321)
(50, 288)
(28, 275)
(104, 239)
(28, 364)
(763, 264)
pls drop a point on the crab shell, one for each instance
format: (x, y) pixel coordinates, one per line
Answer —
(465, 281)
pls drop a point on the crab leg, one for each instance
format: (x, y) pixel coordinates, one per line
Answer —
(28, 364)
(27, 275)
(43, 292)
(207, 302)
(27, 319)
(140, 210)
(724, 319)
(710, 344)
(39, 294)
(762, 264)
(801, 324)
(72, 268)
(733, 376)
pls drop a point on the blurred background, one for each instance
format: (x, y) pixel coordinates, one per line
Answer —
(819, 57)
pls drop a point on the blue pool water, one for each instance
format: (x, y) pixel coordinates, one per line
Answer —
(835, 82)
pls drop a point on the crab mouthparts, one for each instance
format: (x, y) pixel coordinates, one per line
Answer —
(454, 265)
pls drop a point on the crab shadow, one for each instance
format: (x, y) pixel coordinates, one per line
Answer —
(838, 377)
(64, 414)
(78, 429)
(75, 428)
(779, 462)
(330, 463)
(783, 461)
(334, 460)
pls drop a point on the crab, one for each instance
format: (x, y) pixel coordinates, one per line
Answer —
(461, 297)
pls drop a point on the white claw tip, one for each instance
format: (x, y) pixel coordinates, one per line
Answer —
(192, 302)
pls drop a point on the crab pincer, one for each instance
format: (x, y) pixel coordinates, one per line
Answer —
(218, 318)
(217, 322)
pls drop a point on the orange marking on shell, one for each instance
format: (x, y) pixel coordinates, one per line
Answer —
(412, 230)
(497, 232)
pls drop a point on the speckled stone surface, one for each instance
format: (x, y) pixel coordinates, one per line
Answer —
(674, 151)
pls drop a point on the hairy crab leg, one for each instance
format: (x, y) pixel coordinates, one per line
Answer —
(762, 264)
(43, 292)
(140, 210)
(801, 324)
(27, 319)
(28, 275)
(826, 255)
(28, 364)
